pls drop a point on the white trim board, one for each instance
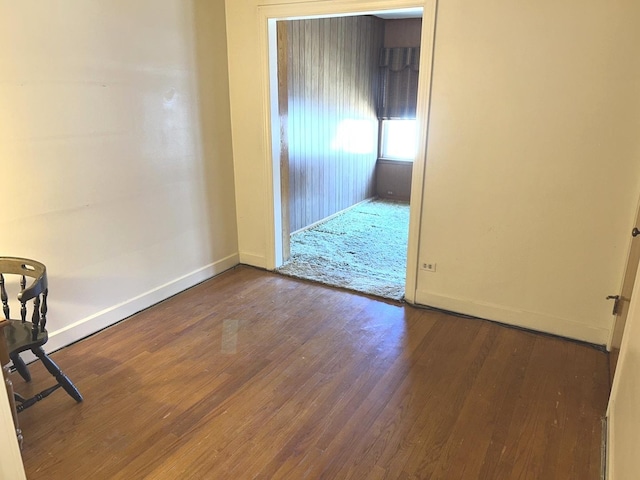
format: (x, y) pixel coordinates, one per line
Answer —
(536, 321)
(10, 460)
(111, 315)
(254, 260)
(604, 449)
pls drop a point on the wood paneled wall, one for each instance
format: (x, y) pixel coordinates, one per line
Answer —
(403, 32)
(331, 116)
(393, 179)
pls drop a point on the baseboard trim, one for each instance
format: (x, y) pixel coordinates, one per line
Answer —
(603, 449)
(520, 318)
(253, 260)
(109, 316)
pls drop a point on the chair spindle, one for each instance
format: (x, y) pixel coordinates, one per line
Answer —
(35, 318)
(43, 310)
(4, 297)
(23, 308)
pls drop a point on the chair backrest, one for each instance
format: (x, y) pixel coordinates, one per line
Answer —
(36, 291)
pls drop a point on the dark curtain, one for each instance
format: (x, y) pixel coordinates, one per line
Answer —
(399, 83)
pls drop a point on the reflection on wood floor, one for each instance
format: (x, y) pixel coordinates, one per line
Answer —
(255, 375)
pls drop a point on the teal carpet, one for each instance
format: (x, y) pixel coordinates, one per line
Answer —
(363, 249)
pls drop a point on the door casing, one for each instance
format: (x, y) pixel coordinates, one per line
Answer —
(268, 15)
(620, 320)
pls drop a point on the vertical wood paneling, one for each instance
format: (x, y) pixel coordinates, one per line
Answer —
(393, 179)
(332, 80)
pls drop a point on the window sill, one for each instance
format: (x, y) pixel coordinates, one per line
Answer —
(395, 161)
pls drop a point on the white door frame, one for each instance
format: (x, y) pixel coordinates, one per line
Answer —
(267, 17)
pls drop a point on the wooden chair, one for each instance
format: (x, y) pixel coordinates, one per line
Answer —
(22, 335)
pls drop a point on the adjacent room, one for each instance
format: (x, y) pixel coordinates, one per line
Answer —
(141, 165)
(347, 98)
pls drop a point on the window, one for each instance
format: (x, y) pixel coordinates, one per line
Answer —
(399, 140)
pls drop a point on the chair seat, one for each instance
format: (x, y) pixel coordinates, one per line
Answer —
(19, 336)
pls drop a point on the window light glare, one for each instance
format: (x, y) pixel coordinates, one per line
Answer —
(399, 139)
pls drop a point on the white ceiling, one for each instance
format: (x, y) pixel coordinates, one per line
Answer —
(396, 14)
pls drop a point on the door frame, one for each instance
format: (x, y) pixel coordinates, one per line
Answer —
(283, 136)
(268, 15)
(11, 465)
(626, 290)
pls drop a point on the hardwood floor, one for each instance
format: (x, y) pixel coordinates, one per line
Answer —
(254, 375)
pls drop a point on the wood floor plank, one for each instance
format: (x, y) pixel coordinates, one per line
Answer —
(489, 403)
(464, 361)
(254, 375)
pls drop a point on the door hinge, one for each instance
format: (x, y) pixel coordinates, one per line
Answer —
(616, 303)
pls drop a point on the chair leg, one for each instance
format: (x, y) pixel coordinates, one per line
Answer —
(24, 403)
(54, 370)
(20, 366)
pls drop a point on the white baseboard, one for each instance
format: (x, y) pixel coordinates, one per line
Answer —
(519, 318)
(107, 317)
(604, 452)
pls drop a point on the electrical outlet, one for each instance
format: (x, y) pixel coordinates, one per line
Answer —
(428, 266)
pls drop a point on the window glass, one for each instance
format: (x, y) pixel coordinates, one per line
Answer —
(399, 139)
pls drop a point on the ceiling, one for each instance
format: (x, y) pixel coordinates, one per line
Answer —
(397, 14)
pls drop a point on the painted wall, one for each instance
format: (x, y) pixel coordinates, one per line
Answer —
(624, 404)
(332, 67)
(115, 152)
(533, 166)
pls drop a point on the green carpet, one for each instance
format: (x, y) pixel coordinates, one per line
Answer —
(363, 249)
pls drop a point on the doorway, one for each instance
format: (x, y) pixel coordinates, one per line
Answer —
(268, 15)
(345, 85)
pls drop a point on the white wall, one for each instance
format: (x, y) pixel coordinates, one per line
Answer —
(115, 152)
(533, 172)
(624, 404)
(533, 166)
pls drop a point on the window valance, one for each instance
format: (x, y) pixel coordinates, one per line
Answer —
(399, 82)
